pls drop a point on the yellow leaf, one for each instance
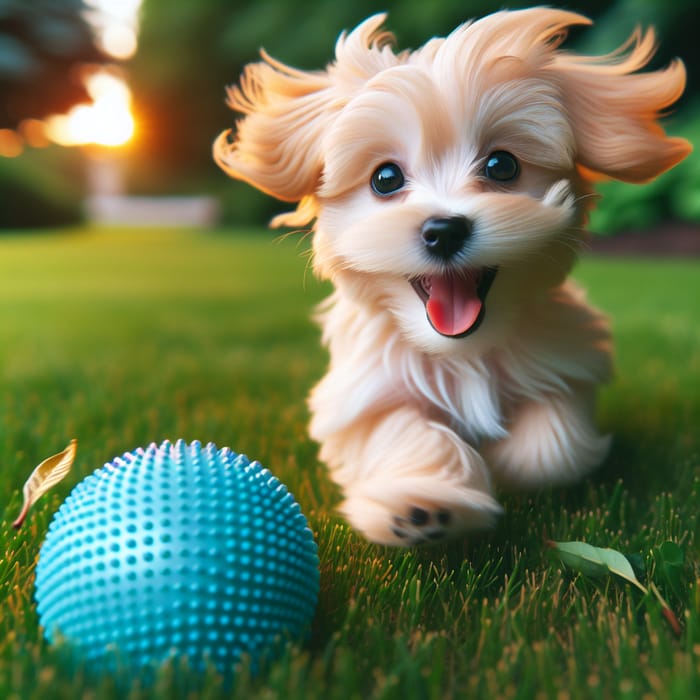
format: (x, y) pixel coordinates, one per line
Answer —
(46, 475)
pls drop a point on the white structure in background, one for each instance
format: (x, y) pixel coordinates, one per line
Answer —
(107, 202)
(152, 211)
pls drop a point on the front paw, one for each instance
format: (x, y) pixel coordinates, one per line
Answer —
(403, 520)
(407, 480)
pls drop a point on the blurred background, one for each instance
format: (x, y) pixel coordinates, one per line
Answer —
(106, 99)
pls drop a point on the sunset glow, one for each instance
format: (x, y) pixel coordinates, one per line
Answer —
(106, 122)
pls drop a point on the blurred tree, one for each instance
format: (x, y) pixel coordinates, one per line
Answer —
(41, 43)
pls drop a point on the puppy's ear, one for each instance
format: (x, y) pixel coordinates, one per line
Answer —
(615, 110)
(278, 145)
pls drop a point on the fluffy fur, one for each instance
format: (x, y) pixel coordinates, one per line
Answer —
(416, 425)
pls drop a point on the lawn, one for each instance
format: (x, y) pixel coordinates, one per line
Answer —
(121, 338)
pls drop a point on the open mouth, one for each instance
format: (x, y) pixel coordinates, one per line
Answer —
(455, 302)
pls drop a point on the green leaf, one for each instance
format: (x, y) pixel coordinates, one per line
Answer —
(595, 562)
(46, 475)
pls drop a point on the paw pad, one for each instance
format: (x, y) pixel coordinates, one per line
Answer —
(421, 526)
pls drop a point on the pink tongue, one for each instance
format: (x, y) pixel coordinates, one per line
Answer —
(453, 306)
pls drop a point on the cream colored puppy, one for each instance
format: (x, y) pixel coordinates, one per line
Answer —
(449, 188)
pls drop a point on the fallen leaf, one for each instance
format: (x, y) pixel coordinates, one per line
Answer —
(598, 561)
(45, 476)
(595, 561)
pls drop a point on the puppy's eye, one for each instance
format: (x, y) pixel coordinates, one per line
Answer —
(387, 179)
(501, 166)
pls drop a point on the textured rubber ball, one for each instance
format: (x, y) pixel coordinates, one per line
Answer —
(177, 551)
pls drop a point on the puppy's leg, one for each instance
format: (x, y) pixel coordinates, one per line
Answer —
(408, 480)
(552, 441)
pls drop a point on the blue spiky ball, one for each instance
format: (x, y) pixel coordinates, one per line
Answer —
(177, 550)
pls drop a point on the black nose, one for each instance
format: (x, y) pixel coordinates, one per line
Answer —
(445, 237)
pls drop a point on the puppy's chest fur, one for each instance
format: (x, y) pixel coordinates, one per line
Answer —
(373, 370)
(465, 394)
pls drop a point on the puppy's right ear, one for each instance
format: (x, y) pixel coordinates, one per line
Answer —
(278, 145)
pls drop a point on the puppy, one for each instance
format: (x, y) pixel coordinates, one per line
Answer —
(449, 188)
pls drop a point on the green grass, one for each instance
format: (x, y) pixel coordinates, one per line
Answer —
(122, 338)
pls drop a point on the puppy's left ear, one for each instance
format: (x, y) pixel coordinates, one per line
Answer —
(276, 146)
(615, 110)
